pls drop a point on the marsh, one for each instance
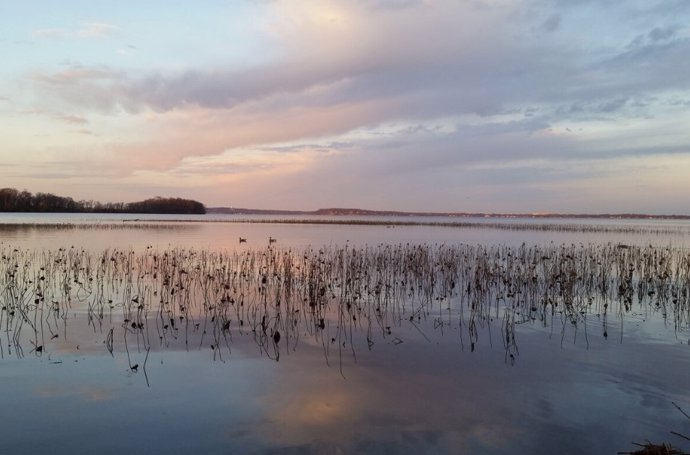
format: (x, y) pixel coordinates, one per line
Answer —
(169, 335)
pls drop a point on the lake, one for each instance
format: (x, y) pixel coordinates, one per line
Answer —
(166, 334)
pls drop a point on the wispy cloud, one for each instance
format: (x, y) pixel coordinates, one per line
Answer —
(91, 30)
(127, 50)
(59, 116)
(96, 30)
(73, 119)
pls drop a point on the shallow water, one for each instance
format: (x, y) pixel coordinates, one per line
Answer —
(593, 386)
(100, 231)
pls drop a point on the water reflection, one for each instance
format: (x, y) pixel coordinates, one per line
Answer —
(223, 232)
(93, 235)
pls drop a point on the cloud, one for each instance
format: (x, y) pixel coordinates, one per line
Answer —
(663, 33)
(126, 50)
(552, 23)
(78, 74)
(96, 30)
(59, 116)
(362, 52)
(645, 68)
(599, 109)
(176, 134)
(73, 119)
(392, 4)
(87, 31)
(82, 86)
(417, 60)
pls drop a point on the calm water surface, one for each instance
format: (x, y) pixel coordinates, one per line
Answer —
(439, 377)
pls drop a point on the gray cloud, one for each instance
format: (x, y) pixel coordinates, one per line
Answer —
(552, 23)
(340, 145)
(649, 68)
(392, 4)
(443, 82)
(663, 33)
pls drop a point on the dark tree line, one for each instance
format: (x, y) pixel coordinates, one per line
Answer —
(12, 200)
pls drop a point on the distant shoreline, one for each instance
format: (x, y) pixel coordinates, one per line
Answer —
(363, 212)
(15, 201)
(177, 206)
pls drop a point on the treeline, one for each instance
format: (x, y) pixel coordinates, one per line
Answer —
(12, 200)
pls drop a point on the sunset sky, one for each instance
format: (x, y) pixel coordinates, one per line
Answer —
(477, 105)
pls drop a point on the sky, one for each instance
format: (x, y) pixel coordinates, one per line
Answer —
(569, 106)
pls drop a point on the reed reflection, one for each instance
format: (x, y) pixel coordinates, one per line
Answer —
(341, 299)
